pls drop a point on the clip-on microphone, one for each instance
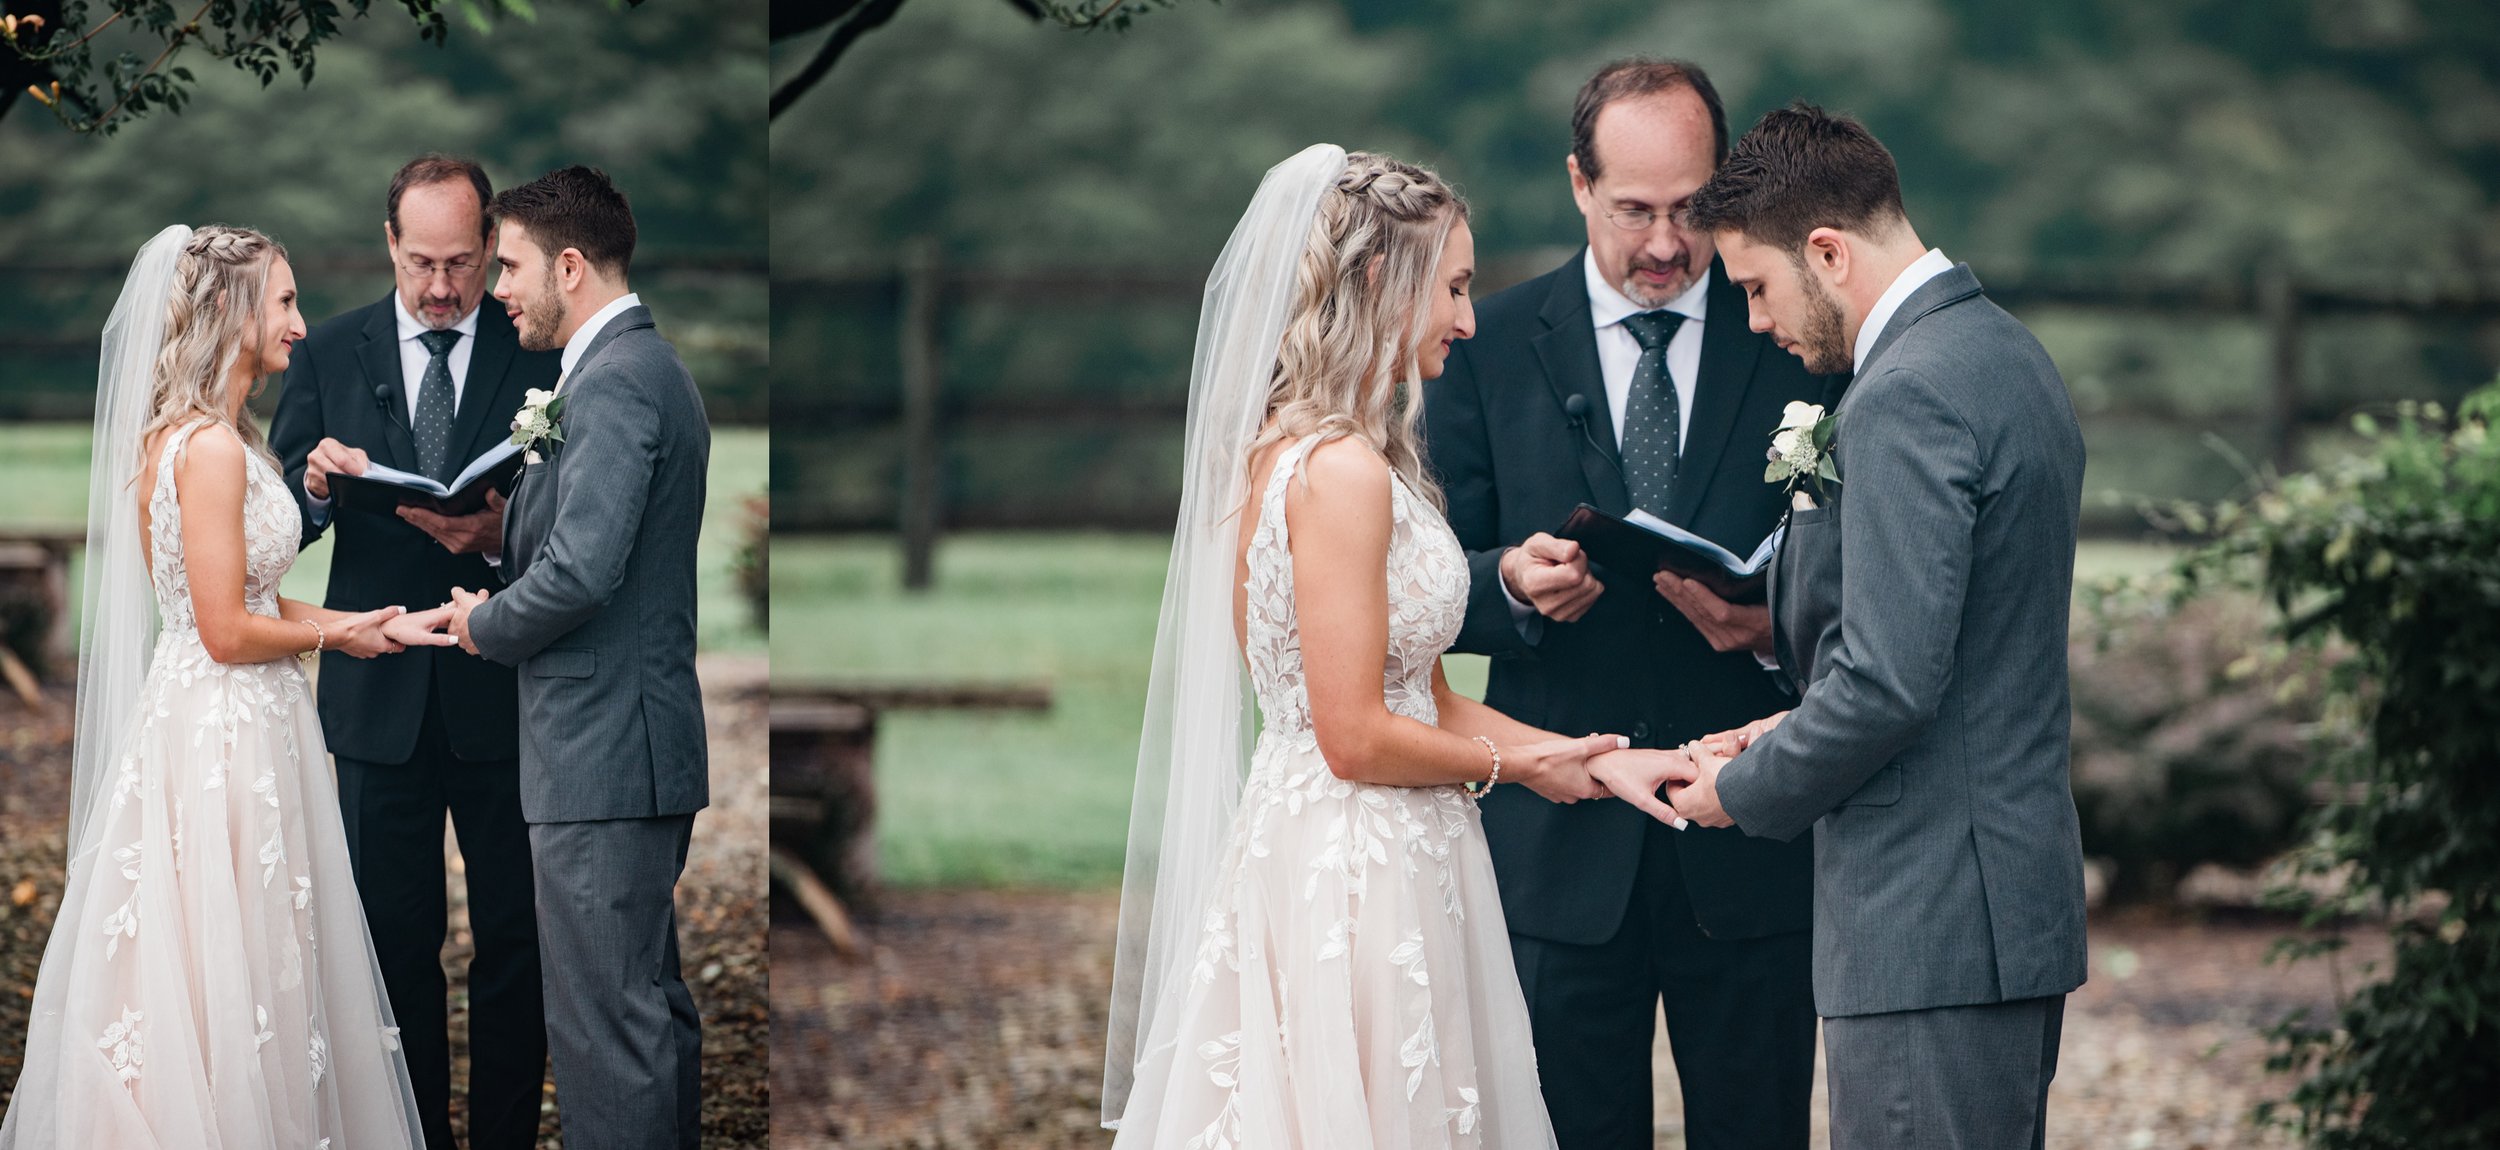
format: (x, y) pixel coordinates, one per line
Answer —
(390, 411)
(1576, 412)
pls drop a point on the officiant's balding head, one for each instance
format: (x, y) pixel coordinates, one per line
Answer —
(1645, 134)
(435, 222)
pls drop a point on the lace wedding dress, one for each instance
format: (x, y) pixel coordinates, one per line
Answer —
(1352, 984)
(210, 983)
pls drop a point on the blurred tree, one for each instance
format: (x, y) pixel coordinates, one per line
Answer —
(51, 49)
(663, 97)
(852, 19)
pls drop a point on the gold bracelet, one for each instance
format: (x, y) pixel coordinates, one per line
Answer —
(321, 638)
(1495, 777)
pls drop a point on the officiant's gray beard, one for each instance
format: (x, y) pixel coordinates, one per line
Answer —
(545, 315)
(1680, 267)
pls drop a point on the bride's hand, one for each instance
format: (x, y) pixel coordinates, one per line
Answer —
(1636, 776)
(362, 635)
(421, 628)
(1558, 768)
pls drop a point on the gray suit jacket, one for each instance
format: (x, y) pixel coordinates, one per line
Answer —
(599, 549)
(1924, 608)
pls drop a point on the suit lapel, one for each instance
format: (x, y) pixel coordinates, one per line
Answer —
(521, 522)
(1948, 288)
(1567, 350)
(482, 396)
(379, 355)
(1728, 353)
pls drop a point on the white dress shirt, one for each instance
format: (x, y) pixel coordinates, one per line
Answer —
(590, 329)
(1912, 278)
(413, 357)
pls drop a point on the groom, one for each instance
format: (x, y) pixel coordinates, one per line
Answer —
(599, 615)
(1921, 601)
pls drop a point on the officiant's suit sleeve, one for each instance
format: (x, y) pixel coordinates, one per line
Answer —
(1911, 474)
(610, 450)
(1460, 450)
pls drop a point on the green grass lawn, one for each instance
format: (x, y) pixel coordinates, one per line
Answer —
(1002, 799)
(43, 469)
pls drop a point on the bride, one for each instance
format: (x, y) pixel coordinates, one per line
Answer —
(209, 981)
(1316, 956)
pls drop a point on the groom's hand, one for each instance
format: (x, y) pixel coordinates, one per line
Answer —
(1728, 626)
(1729, 744)
(1551, 575)
(1698, 800)
(470, 534)
(463, 602)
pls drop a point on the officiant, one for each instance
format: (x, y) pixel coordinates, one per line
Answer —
(1629, 378)
(426, 380)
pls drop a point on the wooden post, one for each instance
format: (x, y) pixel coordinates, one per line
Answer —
(2278, 304)
(824, 792)
(922, 307)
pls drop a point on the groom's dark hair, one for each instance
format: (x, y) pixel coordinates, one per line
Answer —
(578, 208)
(1633, 78)
(1799, 169)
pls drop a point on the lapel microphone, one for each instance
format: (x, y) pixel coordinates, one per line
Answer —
(390, 411)
(1576, 412)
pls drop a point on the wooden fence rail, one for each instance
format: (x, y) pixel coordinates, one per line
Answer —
(926, 293)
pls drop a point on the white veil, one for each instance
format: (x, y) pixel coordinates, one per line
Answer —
(117, 618)
(1195, 743)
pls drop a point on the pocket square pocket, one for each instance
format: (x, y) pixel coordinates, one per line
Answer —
(564, 664)
(1881, 790)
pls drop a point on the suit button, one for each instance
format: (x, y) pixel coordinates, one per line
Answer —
(1640, 730)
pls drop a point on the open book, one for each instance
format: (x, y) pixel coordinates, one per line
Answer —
(383, 490)
(1641, 543)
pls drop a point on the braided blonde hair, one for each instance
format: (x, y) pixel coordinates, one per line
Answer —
(212, 313)
(1347, 366)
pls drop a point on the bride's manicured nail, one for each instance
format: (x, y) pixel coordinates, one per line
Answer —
(1623, 742)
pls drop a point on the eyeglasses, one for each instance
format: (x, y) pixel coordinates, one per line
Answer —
(1642, 219)
(422, 271)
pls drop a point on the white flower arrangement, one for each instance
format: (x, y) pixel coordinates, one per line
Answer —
(536, 424)
(1801, 450)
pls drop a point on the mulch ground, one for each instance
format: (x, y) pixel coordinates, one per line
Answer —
(720, 910)
(976, 1020)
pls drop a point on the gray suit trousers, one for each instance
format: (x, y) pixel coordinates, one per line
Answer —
(622, 1031)
(1948, 1078)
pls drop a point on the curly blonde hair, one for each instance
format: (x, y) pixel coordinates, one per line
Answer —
(212, 315)
(1347, 366)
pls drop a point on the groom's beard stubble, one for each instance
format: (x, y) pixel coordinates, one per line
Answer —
(544, 316)
(1823, 344)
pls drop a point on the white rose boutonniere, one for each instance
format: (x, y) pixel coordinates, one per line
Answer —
(536, 424)
(1801, 451)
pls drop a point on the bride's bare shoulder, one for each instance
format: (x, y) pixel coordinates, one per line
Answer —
(1351, 464)
(1342, 479)
(213, 454)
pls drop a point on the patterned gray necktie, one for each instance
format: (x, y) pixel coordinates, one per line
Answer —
(1652, 419)
(434, 406)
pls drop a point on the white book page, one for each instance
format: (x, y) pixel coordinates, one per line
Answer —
(1720, 555)
(485, 463)
(409, 479)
